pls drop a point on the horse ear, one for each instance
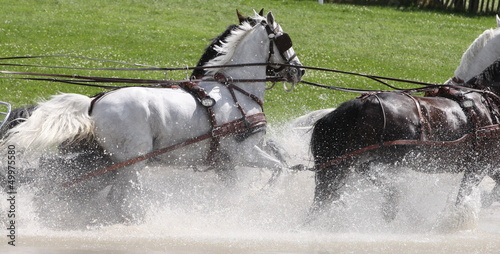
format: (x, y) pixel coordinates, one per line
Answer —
(498, 21)
(261, 12)
(270, 18)
(241, 18)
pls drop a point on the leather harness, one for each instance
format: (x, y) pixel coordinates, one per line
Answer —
(476, 131)
(240, 128)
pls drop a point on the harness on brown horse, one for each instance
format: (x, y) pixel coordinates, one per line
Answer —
(476, 131)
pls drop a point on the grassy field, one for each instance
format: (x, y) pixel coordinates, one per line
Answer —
(417, 45)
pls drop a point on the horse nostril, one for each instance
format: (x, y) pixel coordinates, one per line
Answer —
(302, 72)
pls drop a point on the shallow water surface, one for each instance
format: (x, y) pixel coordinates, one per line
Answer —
(192, 212)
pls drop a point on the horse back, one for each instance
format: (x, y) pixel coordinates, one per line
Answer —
(144, 118)
(364, 121)
(383, 118)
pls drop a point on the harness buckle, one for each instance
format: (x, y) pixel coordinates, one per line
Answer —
(221, 78)
(216, 132)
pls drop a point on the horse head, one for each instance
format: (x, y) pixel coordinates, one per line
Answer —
(481, 53)
(261, 31)
(283, 45)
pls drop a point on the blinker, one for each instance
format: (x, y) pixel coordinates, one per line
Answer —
(283, 42)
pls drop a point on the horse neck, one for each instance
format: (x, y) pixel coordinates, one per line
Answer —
(253, 48)
(482, 52)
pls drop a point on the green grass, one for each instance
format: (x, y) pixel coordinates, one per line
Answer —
(416, 45)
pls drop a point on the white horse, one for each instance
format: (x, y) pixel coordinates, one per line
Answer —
(481, 53)
(131, 122)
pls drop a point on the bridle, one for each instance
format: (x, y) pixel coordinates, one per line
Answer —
(247, 124)
(283, 43)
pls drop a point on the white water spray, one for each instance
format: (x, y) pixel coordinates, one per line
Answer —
(191, 211)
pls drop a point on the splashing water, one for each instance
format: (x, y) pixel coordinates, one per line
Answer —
(193, 212)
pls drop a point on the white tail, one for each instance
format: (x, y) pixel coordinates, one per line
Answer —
(63, 118)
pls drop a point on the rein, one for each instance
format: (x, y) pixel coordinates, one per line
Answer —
(373, 77)
(223, 129)
(143, 68)
(87, 80)
(476, 133)
(491, 131)
(282, 42)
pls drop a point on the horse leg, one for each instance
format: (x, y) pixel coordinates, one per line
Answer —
(494, 196)
(328, 183)
(471, 179)
(274, 149)
(391, 194)
(123, 132)
(495, 193)
(126, 195)
(224, 168)
(462, 215)
(255, 156)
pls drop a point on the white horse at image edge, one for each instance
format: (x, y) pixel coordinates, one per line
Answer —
(131, 122)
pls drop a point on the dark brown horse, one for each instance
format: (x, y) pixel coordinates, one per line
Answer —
(454, 129)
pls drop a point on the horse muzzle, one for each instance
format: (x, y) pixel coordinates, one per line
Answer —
(293, 73)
